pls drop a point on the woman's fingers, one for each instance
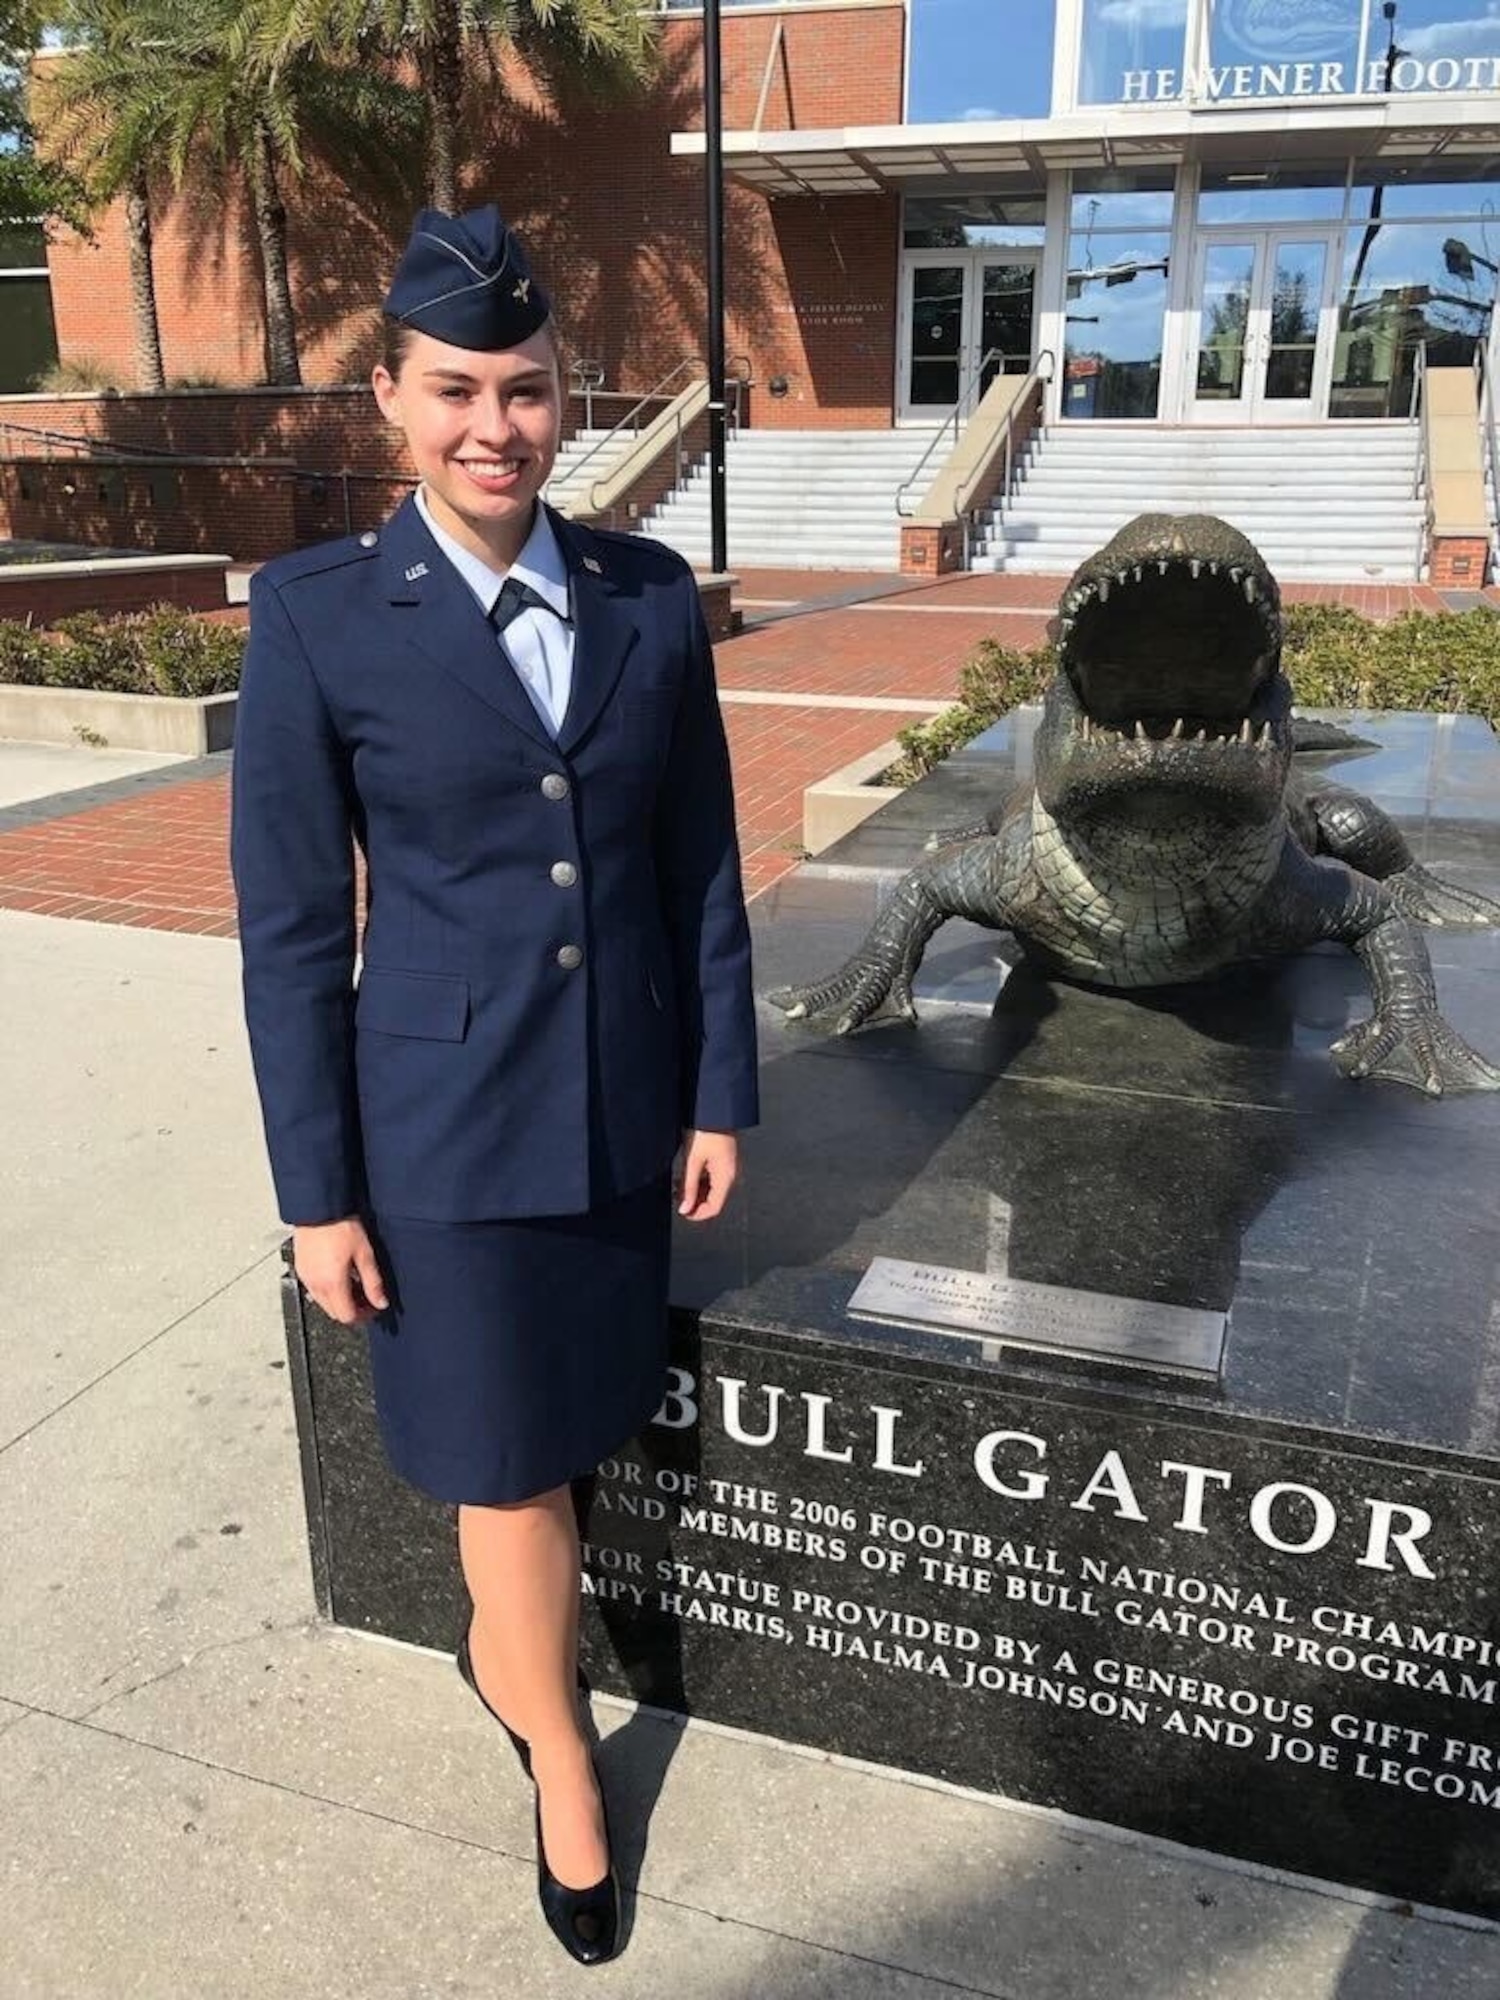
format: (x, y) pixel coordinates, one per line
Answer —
(337, 1267)
(709, 1173)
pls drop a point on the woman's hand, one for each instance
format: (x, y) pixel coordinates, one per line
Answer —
(336, 1264)
(711, 1164)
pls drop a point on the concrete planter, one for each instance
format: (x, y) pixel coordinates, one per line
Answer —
(182, 725)
(842, 801)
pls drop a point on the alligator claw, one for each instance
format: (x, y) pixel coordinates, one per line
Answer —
(1422, 1052)
(1418, 894)
(860, 995)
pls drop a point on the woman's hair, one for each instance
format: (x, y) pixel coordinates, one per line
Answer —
(396, 338)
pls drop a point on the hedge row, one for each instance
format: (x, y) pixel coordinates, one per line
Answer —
(1334, 658)
(159, 651)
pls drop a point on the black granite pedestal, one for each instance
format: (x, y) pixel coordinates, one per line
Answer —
(1259, 1615)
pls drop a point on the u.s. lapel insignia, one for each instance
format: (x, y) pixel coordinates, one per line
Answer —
(593, 567)
(522, 291)
(416, 570)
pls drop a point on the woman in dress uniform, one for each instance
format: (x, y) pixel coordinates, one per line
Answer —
(514, 719)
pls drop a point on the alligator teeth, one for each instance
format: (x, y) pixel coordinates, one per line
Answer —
(1213, 567)
(1103, 590)
(1137, 734)
(1267, 738)
(1236, 574)
(1247, 731)
(1065, 628)
(1201, 737)
(1137, 573)
(1162, 565)
(1248, 587)
(1177, 730)
(1195, 564)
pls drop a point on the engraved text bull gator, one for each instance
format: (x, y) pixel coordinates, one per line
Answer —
(1165, 836)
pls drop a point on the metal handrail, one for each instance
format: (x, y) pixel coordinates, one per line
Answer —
(736, 382)
(1489, 441)
(955, 420)
(629, 420)
(1041, 371)
(1418, 416)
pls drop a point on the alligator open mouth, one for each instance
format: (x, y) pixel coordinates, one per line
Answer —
(1170, 645)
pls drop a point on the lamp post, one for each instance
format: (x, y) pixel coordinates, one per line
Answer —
(713, 130)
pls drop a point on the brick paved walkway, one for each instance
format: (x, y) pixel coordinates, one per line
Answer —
(157, 857)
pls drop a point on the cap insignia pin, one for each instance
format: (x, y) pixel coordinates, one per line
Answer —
(416, 570)
(593, 567)
(522, 290)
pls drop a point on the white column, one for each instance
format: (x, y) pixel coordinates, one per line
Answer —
(1179, 333)
(1051, 322)
(1067, 41)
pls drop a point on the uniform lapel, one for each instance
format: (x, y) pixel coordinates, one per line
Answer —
(444, 623)
(603, 630)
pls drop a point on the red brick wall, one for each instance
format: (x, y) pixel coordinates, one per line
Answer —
(241, 511)
(42, 600)
(614, 222)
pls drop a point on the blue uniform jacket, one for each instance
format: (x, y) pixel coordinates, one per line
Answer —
(556, 961)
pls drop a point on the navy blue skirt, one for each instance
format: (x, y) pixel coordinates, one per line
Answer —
(518, 1354)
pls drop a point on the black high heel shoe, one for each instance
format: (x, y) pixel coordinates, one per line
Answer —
(585, 1922)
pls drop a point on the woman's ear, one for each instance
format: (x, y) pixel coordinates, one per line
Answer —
(387, 393)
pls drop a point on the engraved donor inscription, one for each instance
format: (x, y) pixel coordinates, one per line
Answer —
(1003, 1311)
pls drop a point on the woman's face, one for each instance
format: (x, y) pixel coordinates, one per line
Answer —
(482, 429)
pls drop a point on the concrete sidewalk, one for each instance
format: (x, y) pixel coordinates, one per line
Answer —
(207, 1793)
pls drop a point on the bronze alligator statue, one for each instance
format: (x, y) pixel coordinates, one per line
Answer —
(1166, 835)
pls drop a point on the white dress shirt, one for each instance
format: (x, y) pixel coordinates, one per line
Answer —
(536, 643)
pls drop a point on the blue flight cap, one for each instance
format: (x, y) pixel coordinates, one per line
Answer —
(465, 279)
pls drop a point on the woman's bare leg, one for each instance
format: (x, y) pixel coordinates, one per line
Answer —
(521, 1566)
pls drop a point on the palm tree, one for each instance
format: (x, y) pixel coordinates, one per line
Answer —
(190, 92)
(606, 43)
(236, 107)
(103, 109)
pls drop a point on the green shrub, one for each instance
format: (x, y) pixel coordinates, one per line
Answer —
(1333, 657)
(992, 683)
(23, 653)
(158, 651)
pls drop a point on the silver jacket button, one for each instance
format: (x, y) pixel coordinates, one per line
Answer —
(570, 957)
(555, 786)
(368, 539)
(564, 874)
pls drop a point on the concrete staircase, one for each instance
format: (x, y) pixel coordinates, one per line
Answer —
(565, 482)
(1331, 503)
(800, 499)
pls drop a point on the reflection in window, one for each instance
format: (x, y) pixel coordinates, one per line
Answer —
(1405, 284)
(1398, 188)
(1308, 49)
(1273, 194)
(1117, 299)
(951, 221)
(1445, 45)
(973, 60)
(1119, 200)
(1129, 46)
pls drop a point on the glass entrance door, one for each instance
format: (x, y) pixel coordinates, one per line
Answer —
(1265, 326)
(967, 316)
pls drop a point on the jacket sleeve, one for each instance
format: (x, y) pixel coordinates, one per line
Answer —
(698, 868)
(291, 850)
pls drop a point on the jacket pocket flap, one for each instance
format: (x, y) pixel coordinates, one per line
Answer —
(428, 1005)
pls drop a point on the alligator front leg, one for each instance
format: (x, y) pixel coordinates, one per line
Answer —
(875, 983)
(1354, 830)
(1406, 1039)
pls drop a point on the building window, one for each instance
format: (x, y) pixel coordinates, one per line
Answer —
(978, 60)
(28, 336)
(975, 221)
(1220, 51)
(1133, 50)
(1118, 266)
